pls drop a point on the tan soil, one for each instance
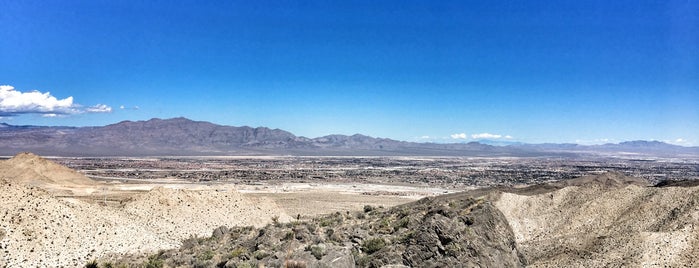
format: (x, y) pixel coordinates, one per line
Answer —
(608, 224)
(38, 229)
(53, 216)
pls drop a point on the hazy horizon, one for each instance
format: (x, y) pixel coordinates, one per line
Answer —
(584, 72)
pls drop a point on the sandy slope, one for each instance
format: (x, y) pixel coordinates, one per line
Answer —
(38, 230)
(30, 169)
(606, 223)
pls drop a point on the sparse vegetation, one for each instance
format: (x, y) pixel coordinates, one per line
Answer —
(207, 255)
(372, 245)
(92, 264)
(153, 262)
(294, 264)
(318, 251)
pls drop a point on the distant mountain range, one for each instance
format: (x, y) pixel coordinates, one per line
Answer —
(184, 137)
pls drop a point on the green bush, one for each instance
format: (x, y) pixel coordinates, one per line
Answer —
(373, 245)
(318, 251)
(153, 262)
(206, 255)
(239, 251)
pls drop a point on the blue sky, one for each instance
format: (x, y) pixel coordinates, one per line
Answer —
(442, 71)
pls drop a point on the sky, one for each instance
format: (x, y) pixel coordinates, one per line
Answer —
(584, 72)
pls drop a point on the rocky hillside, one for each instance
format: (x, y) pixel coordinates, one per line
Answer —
(607, 220)
(429, 233)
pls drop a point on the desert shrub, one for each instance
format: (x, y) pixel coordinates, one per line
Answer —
(239, 251)
(384, 223)
(244, 265)
(261, 254)
(190, 242)
(368, 208)
(288, 236)
(318, 251)
(91, 264)
(311, 227)
(206, 255)
(406, 237)
(453, 249)
(201, 264)
(107, 265)
(153, 262)
(325, 222)
(402, 223)
(294, 264)
(373, 245)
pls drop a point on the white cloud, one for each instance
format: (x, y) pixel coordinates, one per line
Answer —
(680, 141)
(459, 136)
(486, 136)
(595, 141)
(122, 107)
(14, 102)
(508, 137)
(424, 137)
(99, 108)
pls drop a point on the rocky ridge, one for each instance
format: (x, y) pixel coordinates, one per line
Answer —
(605, 220)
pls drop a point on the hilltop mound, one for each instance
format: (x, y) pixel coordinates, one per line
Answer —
(39, 230)
(606, 220)
(31, 169)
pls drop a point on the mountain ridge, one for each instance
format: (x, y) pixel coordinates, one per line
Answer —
(182, 136)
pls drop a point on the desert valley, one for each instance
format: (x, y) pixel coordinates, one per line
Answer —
(381, 211)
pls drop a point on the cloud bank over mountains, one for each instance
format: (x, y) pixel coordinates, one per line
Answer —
(479, 136)
(14, 102)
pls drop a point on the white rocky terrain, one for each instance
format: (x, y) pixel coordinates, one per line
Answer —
(606, 221)
(38, 229)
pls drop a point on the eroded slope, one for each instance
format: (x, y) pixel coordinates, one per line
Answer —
(608, 220)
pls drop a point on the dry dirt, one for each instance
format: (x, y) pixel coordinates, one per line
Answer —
(51, 215)
(606, 221)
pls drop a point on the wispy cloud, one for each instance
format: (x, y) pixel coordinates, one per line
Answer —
(462, 136)
(489, 136)
(595, 141)
(122, 107)
(14, 102)
(99, 108)
(680, 141)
